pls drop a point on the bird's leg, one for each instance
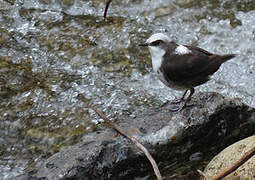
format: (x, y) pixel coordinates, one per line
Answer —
(192, 90)
(181, 99)
(176, 101)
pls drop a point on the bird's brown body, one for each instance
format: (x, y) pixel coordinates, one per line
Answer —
(192, 69)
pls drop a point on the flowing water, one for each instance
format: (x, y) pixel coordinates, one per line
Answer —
(60, 58)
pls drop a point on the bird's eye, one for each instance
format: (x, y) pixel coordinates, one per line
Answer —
(156, 43)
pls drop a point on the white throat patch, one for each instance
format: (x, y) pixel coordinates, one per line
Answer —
(181, 50)
(156, 57)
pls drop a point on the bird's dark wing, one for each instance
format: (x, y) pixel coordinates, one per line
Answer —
(199, 50)
(187, 66)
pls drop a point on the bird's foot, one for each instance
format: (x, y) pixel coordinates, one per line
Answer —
(181, 107)
(178, 109)
(177, 101)
(165, 103)
(175, 109)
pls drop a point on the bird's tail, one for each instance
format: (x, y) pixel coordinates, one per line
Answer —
(227, 57)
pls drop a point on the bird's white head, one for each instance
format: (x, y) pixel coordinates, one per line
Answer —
(157, 37)
(155, 44)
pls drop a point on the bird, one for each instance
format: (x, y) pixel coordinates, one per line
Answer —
(182, 67)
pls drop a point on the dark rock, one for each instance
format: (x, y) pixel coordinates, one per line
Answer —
(213, 123)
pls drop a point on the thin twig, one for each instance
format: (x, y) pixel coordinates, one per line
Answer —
(235, 165)
(202, 174)
(106, 8)
(140, 146)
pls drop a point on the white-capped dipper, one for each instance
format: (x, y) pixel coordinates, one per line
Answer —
(182, 67)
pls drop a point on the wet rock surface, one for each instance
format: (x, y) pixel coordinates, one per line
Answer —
(213, 123)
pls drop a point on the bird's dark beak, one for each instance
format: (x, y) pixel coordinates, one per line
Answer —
(144, 44)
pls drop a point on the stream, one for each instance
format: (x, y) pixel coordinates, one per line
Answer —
(58, 58)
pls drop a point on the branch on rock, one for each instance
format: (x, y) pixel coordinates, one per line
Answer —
(106, 8)
(233, 167)
(125, 134)
(203, 174)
